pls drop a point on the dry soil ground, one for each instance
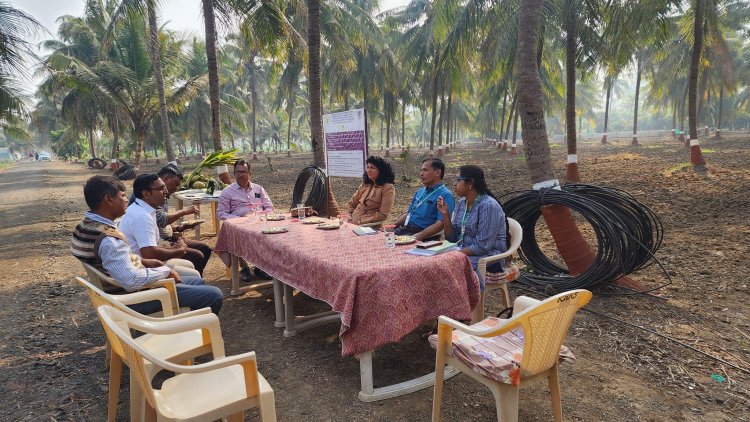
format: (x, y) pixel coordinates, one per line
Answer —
(52, 354)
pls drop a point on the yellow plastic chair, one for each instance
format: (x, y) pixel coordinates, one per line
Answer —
(223, 387)
(181, 347)
(505, 355)
(499, 280)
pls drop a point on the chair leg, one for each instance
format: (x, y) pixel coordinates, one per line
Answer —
(137, 400)
(506, 295)
(267, 407)
(478, 313)
(437, 396)
(506, 402)
(554, 392)
(115, 376)
(150, 413)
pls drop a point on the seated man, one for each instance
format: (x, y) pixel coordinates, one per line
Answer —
(97, 241)
(240, 198)
(198, 253)
(140, 228)
(422, 219)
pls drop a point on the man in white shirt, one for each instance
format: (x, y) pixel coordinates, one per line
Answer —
(141, 230)
(97, 241)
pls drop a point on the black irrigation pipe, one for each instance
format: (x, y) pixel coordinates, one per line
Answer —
(628, 234)
(318, 194)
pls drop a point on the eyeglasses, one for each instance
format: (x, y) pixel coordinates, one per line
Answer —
(241, 171)
(162, 187)
(459, 179)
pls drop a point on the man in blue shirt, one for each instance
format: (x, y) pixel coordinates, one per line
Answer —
(422, 219)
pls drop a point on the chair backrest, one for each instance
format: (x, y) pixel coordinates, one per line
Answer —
(516, 235)
(545, 326)
(115, 323)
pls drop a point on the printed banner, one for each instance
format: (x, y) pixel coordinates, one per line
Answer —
(344, 133)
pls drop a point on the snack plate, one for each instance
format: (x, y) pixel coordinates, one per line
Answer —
(275, 217)
(313, 220)
(328, 226)
(194, 222)
(274, 230)
(405, 240)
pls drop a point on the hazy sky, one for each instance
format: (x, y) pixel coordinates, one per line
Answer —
(180, 15)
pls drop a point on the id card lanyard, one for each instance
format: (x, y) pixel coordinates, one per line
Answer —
(463, 220)
(419, 204)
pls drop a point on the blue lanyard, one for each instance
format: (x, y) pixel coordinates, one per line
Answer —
(424, 198)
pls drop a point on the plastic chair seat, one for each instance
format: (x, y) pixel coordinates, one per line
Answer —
(185, 396)
(498, 358)
(511, 273)
(175, 347)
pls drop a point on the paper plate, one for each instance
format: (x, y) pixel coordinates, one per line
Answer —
(328, 226)
(405, 240)
(313, 220)
(194, 222)
(275, 217)
(274, 230)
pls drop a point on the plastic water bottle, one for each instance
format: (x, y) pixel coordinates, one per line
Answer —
(390, 236)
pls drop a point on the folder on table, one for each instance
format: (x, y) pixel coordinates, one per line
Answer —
(435, 250)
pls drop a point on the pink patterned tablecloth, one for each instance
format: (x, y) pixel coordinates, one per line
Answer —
(382, 294)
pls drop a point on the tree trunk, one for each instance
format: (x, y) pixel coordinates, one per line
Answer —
(696, 155)
(571, 169)
(606, 110)
(448, 119)
(403, 127)
(674, 119)
(572, 246)
(156, 63)
(513, 108)
(290, 110)
(316, 107)
(434, 110)
(388, 127)
(440, 119)
(92, 144)
(502, 115)
(721, 105)
(635, 107)
(140, 134)
(201, 141)
(213, 71)
(115, 142)
(367, 121)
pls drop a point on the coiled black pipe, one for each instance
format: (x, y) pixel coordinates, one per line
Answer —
(628, 234)
(318, 194)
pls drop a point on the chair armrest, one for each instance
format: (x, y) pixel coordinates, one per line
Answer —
(218, 363)
(482, 263)
(479, 332)
(169, 284)
(189, 314)
(143, 296)
(207, 322)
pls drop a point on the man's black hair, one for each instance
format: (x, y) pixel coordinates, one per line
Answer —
(170, 170)
(241, 162)
(436, 164)
(97, 187)
(143, 182)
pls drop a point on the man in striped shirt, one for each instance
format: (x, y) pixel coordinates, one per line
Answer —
(97, 241)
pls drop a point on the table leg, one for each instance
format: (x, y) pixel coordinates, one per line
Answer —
(289, 331)
(235, 276)
(214, 206)
(278, 304)
(369, 394)
(197, 229)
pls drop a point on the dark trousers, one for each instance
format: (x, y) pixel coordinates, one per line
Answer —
(198, 253)
(192, 293)
(411, 230)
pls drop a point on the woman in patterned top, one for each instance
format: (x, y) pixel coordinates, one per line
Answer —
(478, 223)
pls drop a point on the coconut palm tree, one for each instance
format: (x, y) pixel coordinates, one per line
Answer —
(16, 29)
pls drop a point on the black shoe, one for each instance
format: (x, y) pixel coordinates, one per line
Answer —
(262, 274)
(245, 275)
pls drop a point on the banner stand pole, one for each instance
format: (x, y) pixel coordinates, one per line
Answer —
(328, 195)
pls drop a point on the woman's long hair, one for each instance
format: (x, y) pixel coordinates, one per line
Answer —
(386, 171)
(476, 175)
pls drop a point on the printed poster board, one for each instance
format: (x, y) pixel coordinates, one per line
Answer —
(346, 148)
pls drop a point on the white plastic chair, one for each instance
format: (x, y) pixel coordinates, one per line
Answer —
(181, 347)
(224, 387)
(488, 351)
(499, 280)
